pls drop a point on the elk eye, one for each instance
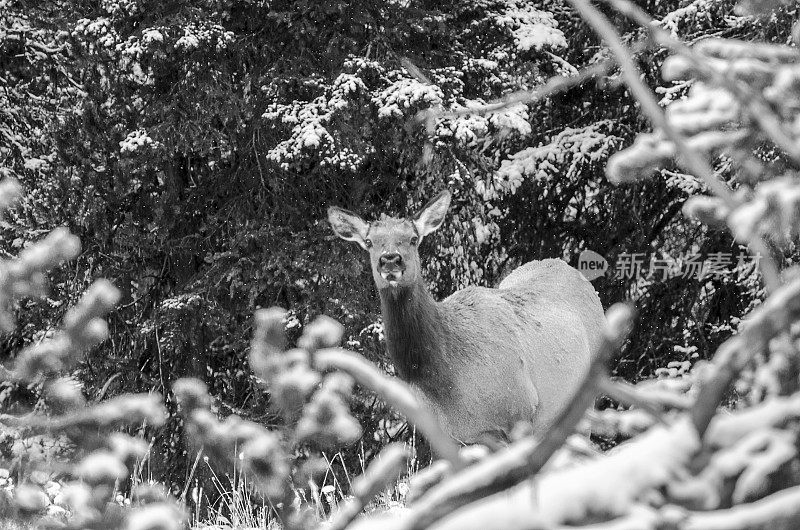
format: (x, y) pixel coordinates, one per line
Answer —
(414, 240)
(368, 242)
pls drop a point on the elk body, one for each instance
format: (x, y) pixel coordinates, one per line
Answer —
(483, 359)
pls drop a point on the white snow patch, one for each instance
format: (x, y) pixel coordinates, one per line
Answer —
(532, 28)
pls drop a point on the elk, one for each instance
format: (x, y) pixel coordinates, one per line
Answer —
(483, 359)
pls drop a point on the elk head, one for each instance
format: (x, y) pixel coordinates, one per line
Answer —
(392, 243)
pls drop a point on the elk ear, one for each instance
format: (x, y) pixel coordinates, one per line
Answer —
(348, 225)
(432, 216)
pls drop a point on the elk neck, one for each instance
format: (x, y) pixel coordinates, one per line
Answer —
(414, 334)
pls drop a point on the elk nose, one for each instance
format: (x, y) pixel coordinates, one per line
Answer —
(390, 259)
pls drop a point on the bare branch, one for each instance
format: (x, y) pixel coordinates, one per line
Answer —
(554, 85)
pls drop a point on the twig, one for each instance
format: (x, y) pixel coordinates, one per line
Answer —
(100, 395)
(395, 393)
(554, 85)
(690, 158)
(526, 457)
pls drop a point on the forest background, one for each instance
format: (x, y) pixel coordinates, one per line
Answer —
(194, 146)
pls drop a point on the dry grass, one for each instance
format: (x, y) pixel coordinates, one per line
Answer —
(236, 508)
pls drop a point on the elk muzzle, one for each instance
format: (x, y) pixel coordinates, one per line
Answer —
(391, 267)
